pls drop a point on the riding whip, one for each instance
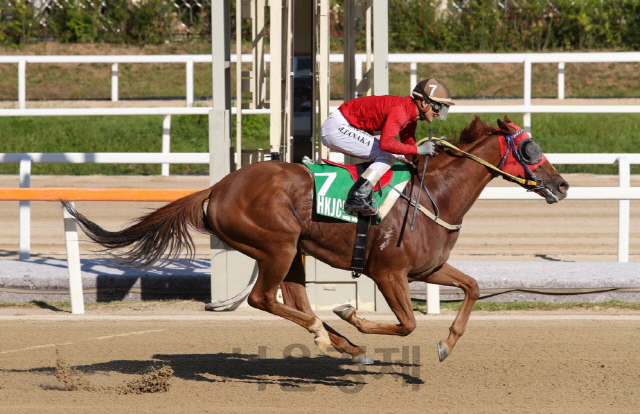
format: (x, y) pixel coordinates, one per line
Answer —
(424, 170)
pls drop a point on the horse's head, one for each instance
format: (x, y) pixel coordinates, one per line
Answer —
(522, 157)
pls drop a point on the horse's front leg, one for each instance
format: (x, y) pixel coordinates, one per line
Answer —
(295, 295)
(395, 289)
(448, 275)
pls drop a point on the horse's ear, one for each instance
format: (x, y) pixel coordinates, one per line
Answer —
(506, 128)
(507, 120)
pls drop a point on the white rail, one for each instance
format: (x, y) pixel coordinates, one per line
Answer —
(527, 59)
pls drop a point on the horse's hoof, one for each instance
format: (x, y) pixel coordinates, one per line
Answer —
(344, 311)
(443, 350)
(362, 359)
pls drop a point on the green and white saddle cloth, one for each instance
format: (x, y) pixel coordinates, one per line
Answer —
(333, 182)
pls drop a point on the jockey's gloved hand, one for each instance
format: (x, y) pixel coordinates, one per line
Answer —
(440, 144)
(427, 148)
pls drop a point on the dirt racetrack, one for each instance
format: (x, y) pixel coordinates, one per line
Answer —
(240, 362)
(245, 361)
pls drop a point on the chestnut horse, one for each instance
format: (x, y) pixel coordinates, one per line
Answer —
(265, 211)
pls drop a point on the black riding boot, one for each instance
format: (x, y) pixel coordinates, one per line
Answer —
(359, 199)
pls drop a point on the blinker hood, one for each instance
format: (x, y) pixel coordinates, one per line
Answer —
(529, 151)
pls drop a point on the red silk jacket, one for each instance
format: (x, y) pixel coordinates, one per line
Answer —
(389, 115)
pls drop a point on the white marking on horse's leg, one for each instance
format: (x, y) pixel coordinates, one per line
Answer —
(321, 336)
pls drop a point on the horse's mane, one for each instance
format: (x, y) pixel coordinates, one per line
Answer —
(475, 130)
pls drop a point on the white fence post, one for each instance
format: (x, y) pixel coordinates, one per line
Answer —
(413, 76)
(624, 179)
(73, 262)
(526, 116)
(22, 84)
(166, 142)
(114, 82)
(358, 75)
(561, 80)
(189, 83)
(433, 299)
(25, 210)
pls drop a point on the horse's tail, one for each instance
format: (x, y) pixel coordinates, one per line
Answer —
(160, 236)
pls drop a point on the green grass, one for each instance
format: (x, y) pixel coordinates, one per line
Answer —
(419, 306)
(573, 133)
(189, 133)
(570, 133)
(538, 306)
(34, 304)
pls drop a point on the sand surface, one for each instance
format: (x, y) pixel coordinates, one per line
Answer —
(245, 361)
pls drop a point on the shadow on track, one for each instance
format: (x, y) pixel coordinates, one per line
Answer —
(301, 373)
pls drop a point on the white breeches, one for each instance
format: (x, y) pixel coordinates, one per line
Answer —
(337, 134)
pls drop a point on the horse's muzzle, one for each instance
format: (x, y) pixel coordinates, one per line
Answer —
(554, 193)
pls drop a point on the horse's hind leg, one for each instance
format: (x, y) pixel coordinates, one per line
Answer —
(448, 275)
(295, 295)
(273, 268)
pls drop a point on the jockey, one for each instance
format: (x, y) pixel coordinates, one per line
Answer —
(350, 130)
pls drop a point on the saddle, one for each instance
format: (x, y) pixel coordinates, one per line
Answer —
(356, 171)
(332, 183)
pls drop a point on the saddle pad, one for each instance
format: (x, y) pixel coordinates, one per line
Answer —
(333, 182)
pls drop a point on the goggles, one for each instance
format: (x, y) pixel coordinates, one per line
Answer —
(439, 108)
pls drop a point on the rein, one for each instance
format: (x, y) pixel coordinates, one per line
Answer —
(443, 142)
(479, 160)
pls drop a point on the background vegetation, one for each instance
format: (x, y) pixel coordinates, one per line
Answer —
(414, 25)
(103, 21)
(533, 25)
